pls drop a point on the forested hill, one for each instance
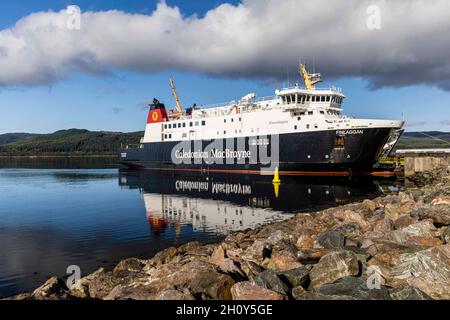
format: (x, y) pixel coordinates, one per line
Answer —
(73, 142)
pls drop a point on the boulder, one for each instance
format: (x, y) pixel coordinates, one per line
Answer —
(306, 238)
(175, 295)
(270, 280)
(442, 199)
(334, 266)
(440, 214)
(164, 256)
(408, 293)
(404, 221)
(228, 266)
(419, 233)
(351, 288)
(331, 239)
(299, 293)
(346, 216)
(251, 269)
(218, 256)
(250, 291)
(284, 260)
(369, 205)
(311, 256)
(257, 252)
(296, 277)
(53, 289)
(427, 270)
(102, 284)
(446, 235)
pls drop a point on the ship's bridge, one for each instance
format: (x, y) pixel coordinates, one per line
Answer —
(297, 97)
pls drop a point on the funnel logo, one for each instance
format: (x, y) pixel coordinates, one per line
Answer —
(155, 116)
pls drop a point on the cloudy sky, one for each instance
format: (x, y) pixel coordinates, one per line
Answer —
(392, 57)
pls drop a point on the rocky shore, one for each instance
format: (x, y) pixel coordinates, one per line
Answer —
(392, 247)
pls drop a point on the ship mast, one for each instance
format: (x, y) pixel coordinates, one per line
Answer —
(310, 78)
(177, 101)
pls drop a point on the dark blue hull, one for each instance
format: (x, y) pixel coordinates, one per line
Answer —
(327, 151)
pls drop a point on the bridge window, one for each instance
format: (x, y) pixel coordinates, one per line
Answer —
(322, 98)
(179, 125)
(288, 99)
(328, 98)
(308, 98)
(190, 124)
(203, 123)
(196, 123)
(184, 124)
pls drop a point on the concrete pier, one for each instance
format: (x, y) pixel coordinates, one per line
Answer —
(420, 160)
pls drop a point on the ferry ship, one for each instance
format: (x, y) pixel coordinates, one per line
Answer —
(299, 130)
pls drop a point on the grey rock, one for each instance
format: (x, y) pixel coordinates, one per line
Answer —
(408, 293)
(331, 239)
(334, 266)
(296, 277)
(351, 288)
(270, 280)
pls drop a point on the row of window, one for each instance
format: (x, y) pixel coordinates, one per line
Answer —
(307, 127)
(296, 98)
(184, 124)
(232, 120)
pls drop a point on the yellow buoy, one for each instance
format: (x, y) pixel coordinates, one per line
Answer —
(276, 189)
(276, 176)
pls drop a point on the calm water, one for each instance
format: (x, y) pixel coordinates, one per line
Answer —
(56, 213)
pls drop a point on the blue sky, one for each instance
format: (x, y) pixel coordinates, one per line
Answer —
(116, 102)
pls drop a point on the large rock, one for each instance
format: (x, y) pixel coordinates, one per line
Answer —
(218, 256)
(202, 279)
(164, 256)
(257, 252)
(351, 288)
(284, 260)
(440, 214)
(446, 235)
(175, 295)
(249, 291)
(334, 266)
(270, 280)
(408, 293)
(53, 289)
(331, 239)
(347, 216)
(306, 239)
(296, 277)
(419, 233)
(427, 270)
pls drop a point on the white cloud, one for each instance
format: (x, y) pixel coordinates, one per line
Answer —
(258, 38)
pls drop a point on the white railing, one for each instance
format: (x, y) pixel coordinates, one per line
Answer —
(333, 88)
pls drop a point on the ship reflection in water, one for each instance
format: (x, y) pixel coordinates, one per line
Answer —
(222, 204)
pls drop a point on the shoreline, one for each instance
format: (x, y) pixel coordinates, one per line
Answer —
(361, 250)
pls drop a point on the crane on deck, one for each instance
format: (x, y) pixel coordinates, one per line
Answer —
(177, 101)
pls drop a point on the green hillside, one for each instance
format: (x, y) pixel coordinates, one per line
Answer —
(424, 140)
(13, 137)
(73, 142)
